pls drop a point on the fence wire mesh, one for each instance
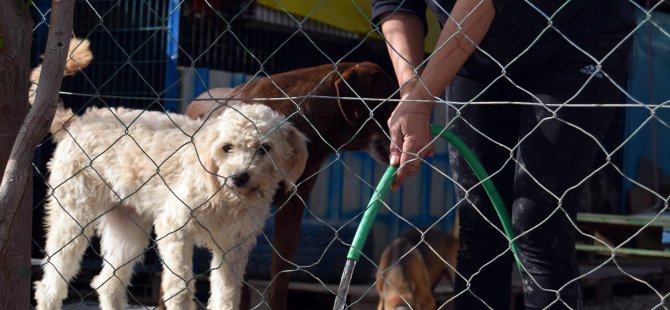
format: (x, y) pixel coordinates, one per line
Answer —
(587, 168)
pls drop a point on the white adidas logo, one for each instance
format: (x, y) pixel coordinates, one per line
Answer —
(591, 70)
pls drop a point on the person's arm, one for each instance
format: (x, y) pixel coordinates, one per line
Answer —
(409, 124)
(404, 34)
(454, 47)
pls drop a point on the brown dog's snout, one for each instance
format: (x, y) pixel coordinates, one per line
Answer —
(241, 179)
(379, 149)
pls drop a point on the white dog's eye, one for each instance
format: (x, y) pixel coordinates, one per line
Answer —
(227, 148)
(263, 149)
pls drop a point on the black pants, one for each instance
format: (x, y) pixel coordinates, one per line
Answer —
(538, 155)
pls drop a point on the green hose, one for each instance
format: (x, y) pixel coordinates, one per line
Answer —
(382, 189)
(370, 213)
(483, 177)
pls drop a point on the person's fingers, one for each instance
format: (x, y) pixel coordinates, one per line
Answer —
(414, 149)
(395, 152)
(398, 180)
(408, 167)
(409, 161)
(396, 146)
(410, 133)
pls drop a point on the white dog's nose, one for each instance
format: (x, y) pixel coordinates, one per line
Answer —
(241, 179)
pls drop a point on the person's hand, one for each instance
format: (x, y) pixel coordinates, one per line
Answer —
(409, 126)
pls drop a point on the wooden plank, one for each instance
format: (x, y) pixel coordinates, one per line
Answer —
(628, 220)
(600, 249)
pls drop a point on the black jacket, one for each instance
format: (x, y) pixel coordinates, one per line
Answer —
(522, 36)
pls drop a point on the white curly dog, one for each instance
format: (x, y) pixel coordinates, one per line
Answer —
(118, 171)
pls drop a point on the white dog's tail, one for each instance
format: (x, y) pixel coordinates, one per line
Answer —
(79, 57)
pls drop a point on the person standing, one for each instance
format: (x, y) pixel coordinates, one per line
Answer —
(563, 57)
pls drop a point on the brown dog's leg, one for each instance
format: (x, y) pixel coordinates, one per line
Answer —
(285, 242)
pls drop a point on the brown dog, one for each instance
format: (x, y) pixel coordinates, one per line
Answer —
(329, 124)
(408, 273)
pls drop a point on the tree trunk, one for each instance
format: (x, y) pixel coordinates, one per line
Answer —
(16, 186)
(15, 41)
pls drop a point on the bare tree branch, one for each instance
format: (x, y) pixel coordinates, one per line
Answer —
(36, 124)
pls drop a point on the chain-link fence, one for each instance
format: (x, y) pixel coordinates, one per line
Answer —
(565, 104)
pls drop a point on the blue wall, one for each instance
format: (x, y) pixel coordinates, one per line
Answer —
(649, 83)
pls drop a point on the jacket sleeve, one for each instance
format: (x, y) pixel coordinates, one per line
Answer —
(380, 7)
(499, 5)
(418, 7)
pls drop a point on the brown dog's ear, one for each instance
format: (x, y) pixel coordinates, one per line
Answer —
(200, 109)
(420, 288)
(296, 159)
(379, 283)
(355, 82)
(369, 80)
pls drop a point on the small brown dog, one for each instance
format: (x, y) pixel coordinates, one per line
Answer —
(319, 108)
(410, 269)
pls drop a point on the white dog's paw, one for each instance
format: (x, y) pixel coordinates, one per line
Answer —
(47, 297)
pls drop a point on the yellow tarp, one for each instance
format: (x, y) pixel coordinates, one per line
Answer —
(349, 15)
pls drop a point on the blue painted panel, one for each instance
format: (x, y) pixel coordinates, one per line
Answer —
(171, 92)
(648, 83)
(665, 238)
(200, 81)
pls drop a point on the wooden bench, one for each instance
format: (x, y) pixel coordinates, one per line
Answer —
(653, 229)
(612, 223)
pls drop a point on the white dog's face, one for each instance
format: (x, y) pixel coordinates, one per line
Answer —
(253, 148)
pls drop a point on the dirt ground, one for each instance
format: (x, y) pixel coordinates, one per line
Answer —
(635, 302)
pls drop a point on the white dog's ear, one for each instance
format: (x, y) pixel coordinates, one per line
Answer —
(204, 142)
(296, 158)
(212, 181)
